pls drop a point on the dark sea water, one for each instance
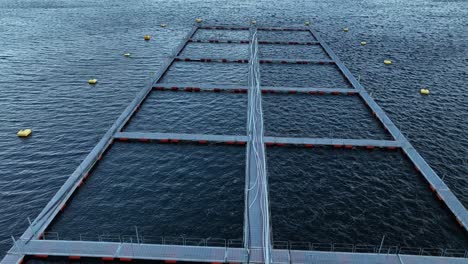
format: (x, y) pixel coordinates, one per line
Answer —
(49, 49)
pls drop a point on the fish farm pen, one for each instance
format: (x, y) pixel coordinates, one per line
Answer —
(263, 138)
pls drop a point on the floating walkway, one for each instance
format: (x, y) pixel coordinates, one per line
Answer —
(257, 247)
(176, 138)
(186, 87)
(269, 141)
(262, 61)
(127, 252)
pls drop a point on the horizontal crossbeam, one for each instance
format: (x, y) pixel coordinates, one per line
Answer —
(309, 90)
(295, 61)
(219, 41)
(132, 251)
(259, 28)
(243, 89)
(188, 87)
(226, 27)
(262, 61)
(283, 29)
(229, 60)
(174, 137)
(335, 142)
(308, 142)
(308, 43)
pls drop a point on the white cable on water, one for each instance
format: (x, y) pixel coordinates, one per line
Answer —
(260, 167)
(264, 204)
(252, 121)
(256, 108)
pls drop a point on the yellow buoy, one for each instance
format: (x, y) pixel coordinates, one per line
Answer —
(424, 91)
(127, 54)
(147, 37)
(363, 43)
(307, 23)
(198, 20)
(345, 29)
(92, 81)
(24, 132)
(163, 25)
(387, 62)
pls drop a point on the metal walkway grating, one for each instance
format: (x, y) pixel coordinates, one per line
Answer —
(257, 225)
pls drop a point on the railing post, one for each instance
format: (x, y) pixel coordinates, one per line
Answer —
(15, 244)
(226, 255)
(30, 227)
(133, 252)
(137, 237)
(381, 243)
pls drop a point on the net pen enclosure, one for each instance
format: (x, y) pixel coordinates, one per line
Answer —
(253, 144)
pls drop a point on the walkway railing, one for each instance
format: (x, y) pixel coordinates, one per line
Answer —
(279, 245)
(124, 251)
(144, 239)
